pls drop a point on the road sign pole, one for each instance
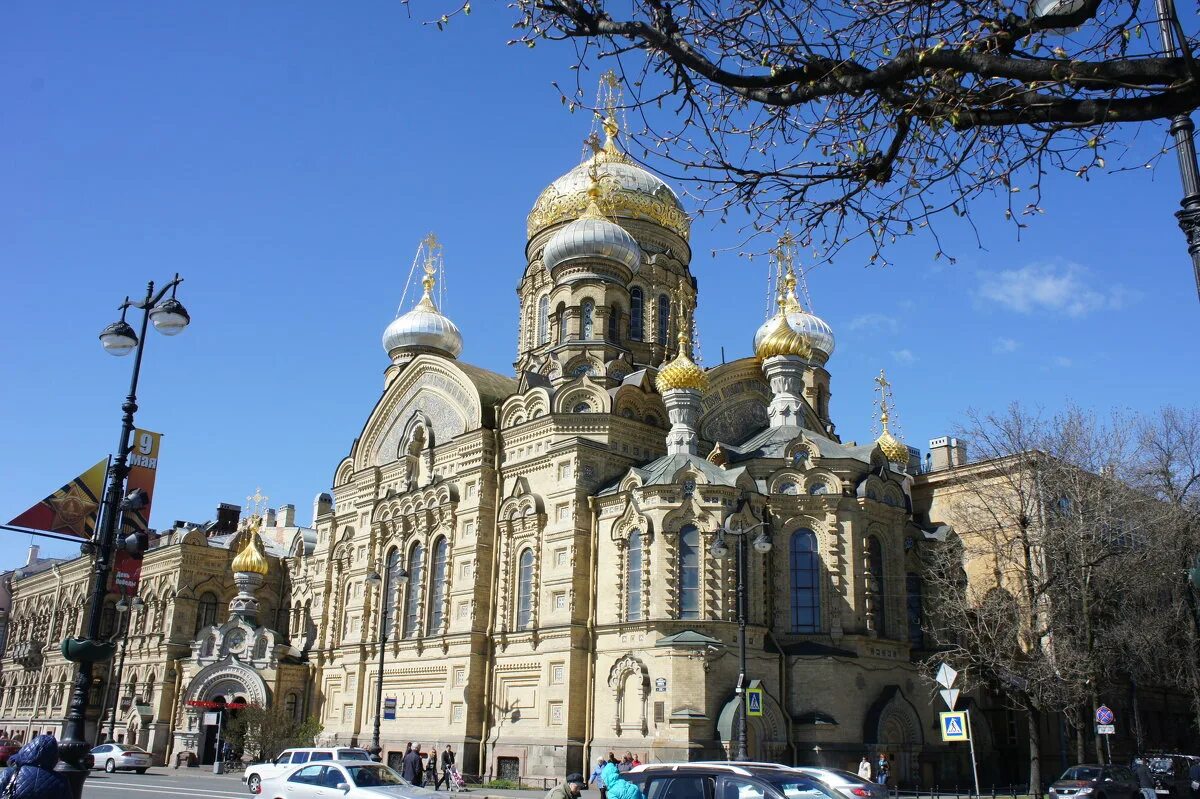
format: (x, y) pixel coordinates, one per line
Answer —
(1108, 748)
(971, 741)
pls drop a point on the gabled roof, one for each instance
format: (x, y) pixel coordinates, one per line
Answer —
(662, 471)
(772, 442)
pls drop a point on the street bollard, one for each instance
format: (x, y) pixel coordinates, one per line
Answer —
(219, 767)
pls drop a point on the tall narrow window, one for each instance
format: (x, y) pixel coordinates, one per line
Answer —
(562, 323)
(633, 577)
(614, 324)
(391, 588)
(916, 611)
(525, 590)
(876, 585)
(664, 318)
(806, 587)
(689, 573)
(636, 304)
(416, 567)
(206, 611)
(437, 585)
(587, 311)
(543, 320)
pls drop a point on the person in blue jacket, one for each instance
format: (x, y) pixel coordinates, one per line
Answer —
(616, 786)
(31, 775)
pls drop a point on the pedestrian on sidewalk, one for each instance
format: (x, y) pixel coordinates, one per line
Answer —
(431, 771)
(410, 767)
(864, 768)
(884, 769)
(1145, 778)
(595, 778)
(570, 789)
(616, 785)
(31, 774)
(447, 766)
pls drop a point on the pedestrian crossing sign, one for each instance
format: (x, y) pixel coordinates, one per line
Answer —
(954, 726)
(754, 702)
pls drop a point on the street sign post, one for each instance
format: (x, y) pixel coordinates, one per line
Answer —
(956, 725)
(1106, 725)
(754, 701)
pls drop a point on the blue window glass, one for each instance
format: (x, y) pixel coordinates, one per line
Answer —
(806, 586)
(525, 590)
(876, 583)
(416, 568)
(437, 586)
(689, 573)
(587, 311)
(664, 318)
(543, 321)
(633, 577)
(636, 303)
(916, 611)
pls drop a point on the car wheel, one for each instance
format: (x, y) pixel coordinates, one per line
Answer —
(110, 766)
(140, 770)
(254, 783)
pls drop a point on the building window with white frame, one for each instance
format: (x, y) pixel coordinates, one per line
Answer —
(525, 590)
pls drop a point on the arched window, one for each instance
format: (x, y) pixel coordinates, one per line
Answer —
(633, 577)
(562, 323)
(587, 311)
(206, 611)
(806, 586)
(292, 706)
(636, 303)
(614, 324)
(412, 616)
(543, 320)
(664, 318)
(689, 573)
(148, 697)
(525, 590)
(391, 589)
(437, 585)
(876, 584)
(916, 611)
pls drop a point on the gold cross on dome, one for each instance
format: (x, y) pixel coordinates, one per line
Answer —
(256, 503)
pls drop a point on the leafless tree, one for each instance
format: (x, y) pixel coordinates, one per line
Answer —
(849, 118)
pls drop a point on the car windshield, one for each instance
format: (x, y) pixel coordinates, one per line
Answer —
(1160, 764)
(352, 754)
(373, 775)
(795, 787)
(128, 748)
(1082, 773)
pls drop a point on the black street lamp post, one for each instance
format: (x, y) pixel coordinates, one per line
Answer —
(719, 550)
(383, 584)
(169, 318)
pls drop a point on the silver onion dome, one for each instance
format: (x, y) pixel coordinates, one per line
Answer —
(423, 329)
(815, 330)
(591, 237)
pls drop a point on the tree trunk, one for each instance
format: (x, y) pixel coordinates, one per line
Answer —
(1080, 735)
(1034, 718)
(1096, 739)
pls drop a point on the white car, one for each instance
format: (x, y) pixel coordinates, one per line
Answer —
(122, 757)
(256, 773)
(341, 779)
(850, 786)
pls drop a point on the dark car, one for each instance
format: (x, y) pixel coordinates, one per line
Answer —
(8, 748)
(723, 780)
(1170, 774)
(1090, 781)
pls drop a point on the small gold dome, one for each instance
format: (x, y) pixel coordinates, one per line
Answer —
(893, 448)
(681, 373)
(251, 559)
(776, 337)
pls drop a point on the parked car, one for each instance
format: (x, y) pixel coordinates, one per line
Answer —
(845, 783)
(121, 757)
(1090, 781)
(8, 748)
(1170, 774)
(723, 780)
(342, 779)
(256, 773)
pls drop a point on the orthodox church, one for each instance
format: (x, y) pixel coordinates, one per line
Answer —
(547, 558)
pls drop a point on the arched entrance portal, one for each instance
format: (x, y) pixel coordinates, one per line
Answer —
(893, 727)
(766, 736)
(212, 699)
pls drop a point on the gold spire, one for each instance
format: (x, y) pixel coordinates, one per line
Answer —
(682, 372)
(432, 264)
(251, 558)
(776, 336)
(610, 95)
(893, 448)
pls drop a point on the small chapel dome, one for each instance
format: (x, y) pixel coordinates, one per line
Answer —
(892, 448)
(592, 237)
(814, 330)
(251, 559)
(776, 337)
(424, 328)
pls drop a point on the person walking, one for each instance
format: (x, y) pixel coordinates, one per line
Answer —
(431, 770)
(31, 774)
(447, 766)
(864, 768)
(595, 778)
(1145, 778)
(615, 784)
(626, 763)
(410, 766)
(570, 789)
(884, 769)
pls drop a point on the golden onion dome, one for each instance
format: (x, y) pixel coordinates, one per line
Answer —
(631, 193)
(251, 559)
(777, 337)
(893, 448)
(681, 373)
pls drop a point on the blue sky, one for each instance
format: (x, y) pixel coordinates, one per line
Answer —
(288, 158)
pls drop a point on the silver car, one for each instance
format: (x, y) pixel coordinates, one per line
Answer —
(121, 757)
(846, 784)
(342, 779)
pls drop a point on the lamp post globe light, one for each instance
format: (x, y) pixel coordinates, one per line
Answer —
(382, 584)
(169, 318)
(719, 549)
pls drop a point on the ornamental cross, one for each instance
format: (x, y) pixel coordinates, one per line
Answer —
(256, 503)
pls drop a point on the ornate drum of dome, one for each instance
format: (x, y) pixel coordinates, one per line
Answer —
(592, 238)
(423, 328)
(630, 192)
